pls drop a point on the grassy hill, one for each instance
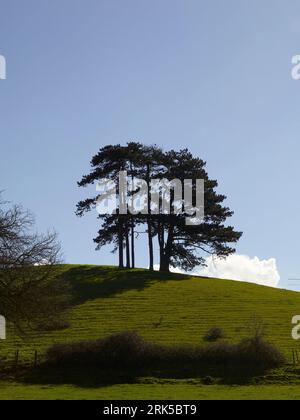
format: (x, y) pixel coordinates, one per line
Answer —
(169, 308)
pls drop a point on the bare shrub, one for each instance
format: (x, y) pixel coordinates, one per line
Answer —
(214, 334)
(30, 288)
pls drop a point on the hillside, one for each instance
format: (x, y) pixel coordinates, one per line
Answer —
(170, 308)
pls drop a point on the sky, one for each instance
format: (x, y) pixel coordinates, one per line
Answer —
(210, 75)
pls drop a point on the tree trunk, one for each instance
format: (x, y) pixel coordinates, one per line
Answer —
(132, 220)
(166, 251)
(127, 246)
(150, 238)
(120, 239)
(150, 245)
(161, 241)
(164, 264)
(132, 244)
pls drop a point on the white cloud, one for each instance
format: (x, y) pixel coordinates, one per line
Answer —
(241, 268)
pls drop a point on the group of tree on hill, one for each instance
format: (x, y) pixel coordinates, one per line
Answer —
(180, 244)
(31, 290)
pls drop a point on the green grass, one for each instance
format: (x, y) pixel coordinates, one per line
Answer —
(170, 308)
(168, 391)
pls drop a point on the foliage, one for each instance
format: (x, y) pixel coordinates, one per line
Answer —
(30, 290)
(128, 349)
(180, 245)
(214, 334)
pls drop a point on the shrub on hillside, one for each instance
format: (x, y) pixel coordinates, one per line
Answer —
(214, 334)
(257, 351)
(128, 349)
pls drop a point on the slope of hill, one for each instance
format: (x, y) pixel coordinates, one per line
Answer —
(169, 308)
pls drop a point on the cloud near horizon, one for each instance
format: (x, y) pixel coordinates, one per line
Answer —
(241, 268)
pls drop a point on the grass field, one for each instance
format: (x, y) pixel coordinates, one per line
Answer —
(170, 308)
(149, 392)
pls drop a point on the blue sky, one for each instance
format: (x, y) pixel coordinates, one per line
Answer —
(210, 75)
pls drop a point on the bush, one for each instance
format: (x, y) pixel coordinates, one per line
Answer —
(257, 351)
(123, 349)
(128, 349)
(214, 334)
(208, 380)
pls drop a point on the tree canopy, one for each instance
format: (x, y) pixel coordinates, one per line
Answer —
(181, 244)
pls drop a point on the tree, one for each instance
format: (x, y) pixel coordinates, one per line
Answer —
(30, 290)
(107, 164)
(180, 244)
(117, 228)
(145, 163)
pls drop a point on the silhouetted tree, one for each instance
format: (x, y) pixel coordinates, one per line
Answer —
(30, 288)
(107, 164)
(180, 244)
(145, 163)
